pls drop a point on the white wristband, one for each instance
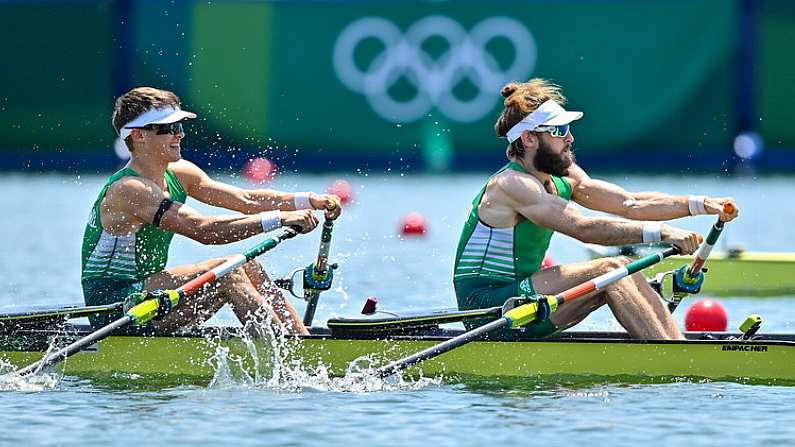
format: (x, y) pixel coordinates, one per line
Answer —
(696, 205)
(652, 232)
(301, 201)
(270, 220)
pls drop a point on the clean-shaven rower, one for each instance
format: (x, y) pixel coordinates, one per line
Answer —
(519, 208)
(142, 206)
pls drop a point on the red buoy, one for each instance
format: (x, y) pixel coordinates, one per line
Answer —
(341, 189)
(547, 262)
(413, 224)
(259, 170)
(706, 315)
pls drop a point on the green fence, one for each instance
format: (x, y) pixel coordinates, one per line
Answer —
(56, 76)
(777, 73)
(392, 79)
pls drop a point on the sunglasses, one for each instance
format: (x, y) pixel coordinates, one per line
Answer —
(555, 131)
(164, 129)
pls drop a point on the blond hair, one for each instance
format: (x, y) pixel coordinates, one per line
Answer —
(521, 99)
(134, 103)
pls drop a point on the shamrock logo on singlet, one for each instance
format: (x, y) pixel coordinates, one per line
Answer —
(526, 287)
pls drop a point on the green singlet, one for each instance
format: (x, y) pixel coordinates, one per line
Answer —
(494, 264)
(115, 266)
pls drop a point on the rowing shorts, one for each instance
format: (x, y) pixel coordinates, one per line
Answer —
(484, 293)
(109, 291)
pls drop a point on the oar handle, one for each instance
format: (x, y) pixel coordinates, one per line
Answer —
(320, 273)
(712, 238)
(321, 263)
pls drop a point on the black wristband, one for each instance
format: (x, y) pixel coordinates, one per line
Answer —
(164, 206)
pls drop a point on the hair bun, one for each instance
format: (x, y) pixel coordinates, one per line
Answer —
(509, 89)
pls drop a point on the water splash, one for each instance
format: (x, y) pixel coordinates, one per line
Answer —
(251, 356)
(39, 381)
(261, 358)
(360, 377)
(9, 381)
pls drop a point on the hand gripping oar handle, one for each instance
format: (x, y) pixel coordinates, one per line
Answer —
(159, 304)
(688, 279)
(317, 277)
(527, 313)
(706, 247)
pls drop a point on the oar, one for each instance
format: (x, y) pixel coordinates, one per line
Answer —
(318, 276)
(48, 316)
(689, 278)
(159, 303)
(527, 313)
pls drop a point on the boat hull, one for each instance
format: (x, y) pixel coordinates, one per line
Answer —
(747, 274)
(607, 356)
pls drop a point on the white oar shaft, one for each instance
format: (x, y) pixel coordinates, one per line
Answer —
(231, 264)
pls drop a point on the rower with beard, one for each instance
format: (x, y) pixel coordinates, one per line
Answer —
(512, 220)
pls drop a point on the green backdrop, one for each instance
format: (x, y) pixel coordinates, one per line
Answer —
(649, 75)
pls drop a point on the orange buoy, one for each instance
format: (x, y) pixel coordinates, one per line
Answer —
(260, 170)
(706, 315)
(341, 189)
(413, 224)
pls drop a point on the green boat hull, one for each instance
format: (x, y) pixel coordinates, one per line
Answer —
(607, 356)
(746, 274)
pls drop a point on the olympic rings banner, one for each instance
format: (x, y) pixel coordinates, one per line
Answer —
(396, 77)
(466, 57)
(344, 81)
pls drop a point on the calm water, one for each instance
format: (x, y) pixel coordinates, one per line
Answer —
(41, 234)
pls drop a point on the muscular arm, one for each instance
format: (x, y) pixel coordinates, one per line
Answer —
(133, 202)
(604, 196)
(527, 197)
(247, 201)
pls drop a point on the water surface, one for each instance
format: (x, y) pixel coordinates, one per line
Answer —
(45, 216)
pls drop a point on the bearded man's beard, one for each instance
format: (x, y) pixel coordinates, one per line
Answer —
(546, 160)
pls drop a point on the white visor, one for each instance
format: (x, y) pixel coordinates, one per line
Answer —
(164, 115)
(549, 113)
